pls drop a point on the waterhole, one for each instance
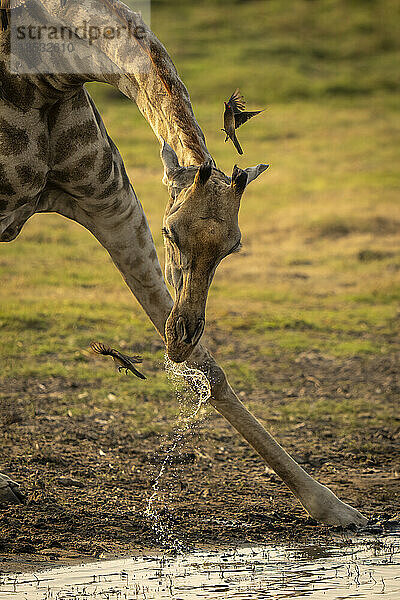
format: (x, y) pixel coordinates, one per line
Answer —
(342, 570)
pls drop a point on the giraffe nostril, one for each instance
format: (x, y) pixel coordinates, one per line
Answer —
(181, 329)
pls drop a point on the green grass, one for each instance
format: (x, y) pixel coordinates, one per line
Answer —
(320, 267)
(341, 413)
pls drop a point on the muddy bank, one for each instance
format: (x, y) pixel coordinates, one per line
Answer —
(87, 479)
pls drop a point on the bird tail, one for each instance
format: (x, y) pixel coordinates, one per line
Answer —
(237, 145)
(138, 373)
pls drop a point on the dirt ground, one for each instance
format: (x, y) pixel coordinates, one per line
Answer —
(83, 501)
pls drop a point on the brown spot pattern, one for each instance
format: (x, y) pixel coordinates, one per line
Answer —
(13, 140)
(78, 170)
(6, 188)
(79, 100)
(87, 191)
(74, 138)
(25, 173)
(106, 166)
(110, 190)
(21, 201)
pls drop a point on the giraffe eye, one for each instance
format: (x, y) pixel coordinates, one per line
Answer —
(170, 235)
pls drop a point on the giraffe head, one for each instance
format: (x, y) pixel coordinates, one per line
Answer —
(200, 228)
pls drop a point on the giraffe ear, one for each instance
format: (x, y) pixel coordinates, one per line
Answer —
(169, 160)
(238, 180)
(204, 173)
(254, 172)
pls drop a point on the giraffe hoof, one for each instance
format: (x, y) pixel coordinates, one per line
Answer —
(326, 508)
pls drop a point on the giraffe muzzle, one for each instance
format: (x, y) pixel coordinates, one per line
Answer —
(182, 335)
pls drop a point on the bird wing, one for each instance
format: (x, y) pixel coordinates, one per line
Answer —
(128, 362)
(100, 348)
(243, 117)
(236, 101)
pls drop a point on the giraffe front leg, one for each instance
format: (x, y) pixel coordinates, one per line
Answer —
(126, 235)
(122, 229)
(128, 240)
(318, 500)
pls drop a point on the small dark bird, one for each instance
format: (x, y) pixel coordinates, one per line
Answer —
(235, 116)
(121, 360)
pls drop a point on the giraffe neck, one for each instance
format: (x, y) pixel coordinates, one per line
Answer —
(141, 69)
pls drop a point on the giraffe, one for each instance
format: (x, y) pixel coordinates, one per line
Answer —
(56, 156)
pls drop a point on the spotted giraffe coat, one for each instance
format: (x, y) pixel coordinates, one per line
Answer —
(53, 140)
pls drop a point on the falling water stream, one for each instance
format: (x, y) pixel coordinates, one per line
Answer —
(198, 385)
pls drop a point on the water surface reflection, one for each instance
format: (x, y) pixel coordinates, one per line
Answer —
(359, 570)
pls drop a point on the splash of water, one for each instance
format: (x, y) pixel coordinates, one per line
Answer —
(197, 384)
(196, 379)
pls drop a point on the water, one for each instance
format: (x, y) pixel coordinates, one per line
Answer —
(191, 396)
(195, 378)
(361, 570)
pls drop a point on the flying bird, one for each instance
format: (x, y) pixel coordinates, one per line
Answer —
(121, 360)
(235, 116)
